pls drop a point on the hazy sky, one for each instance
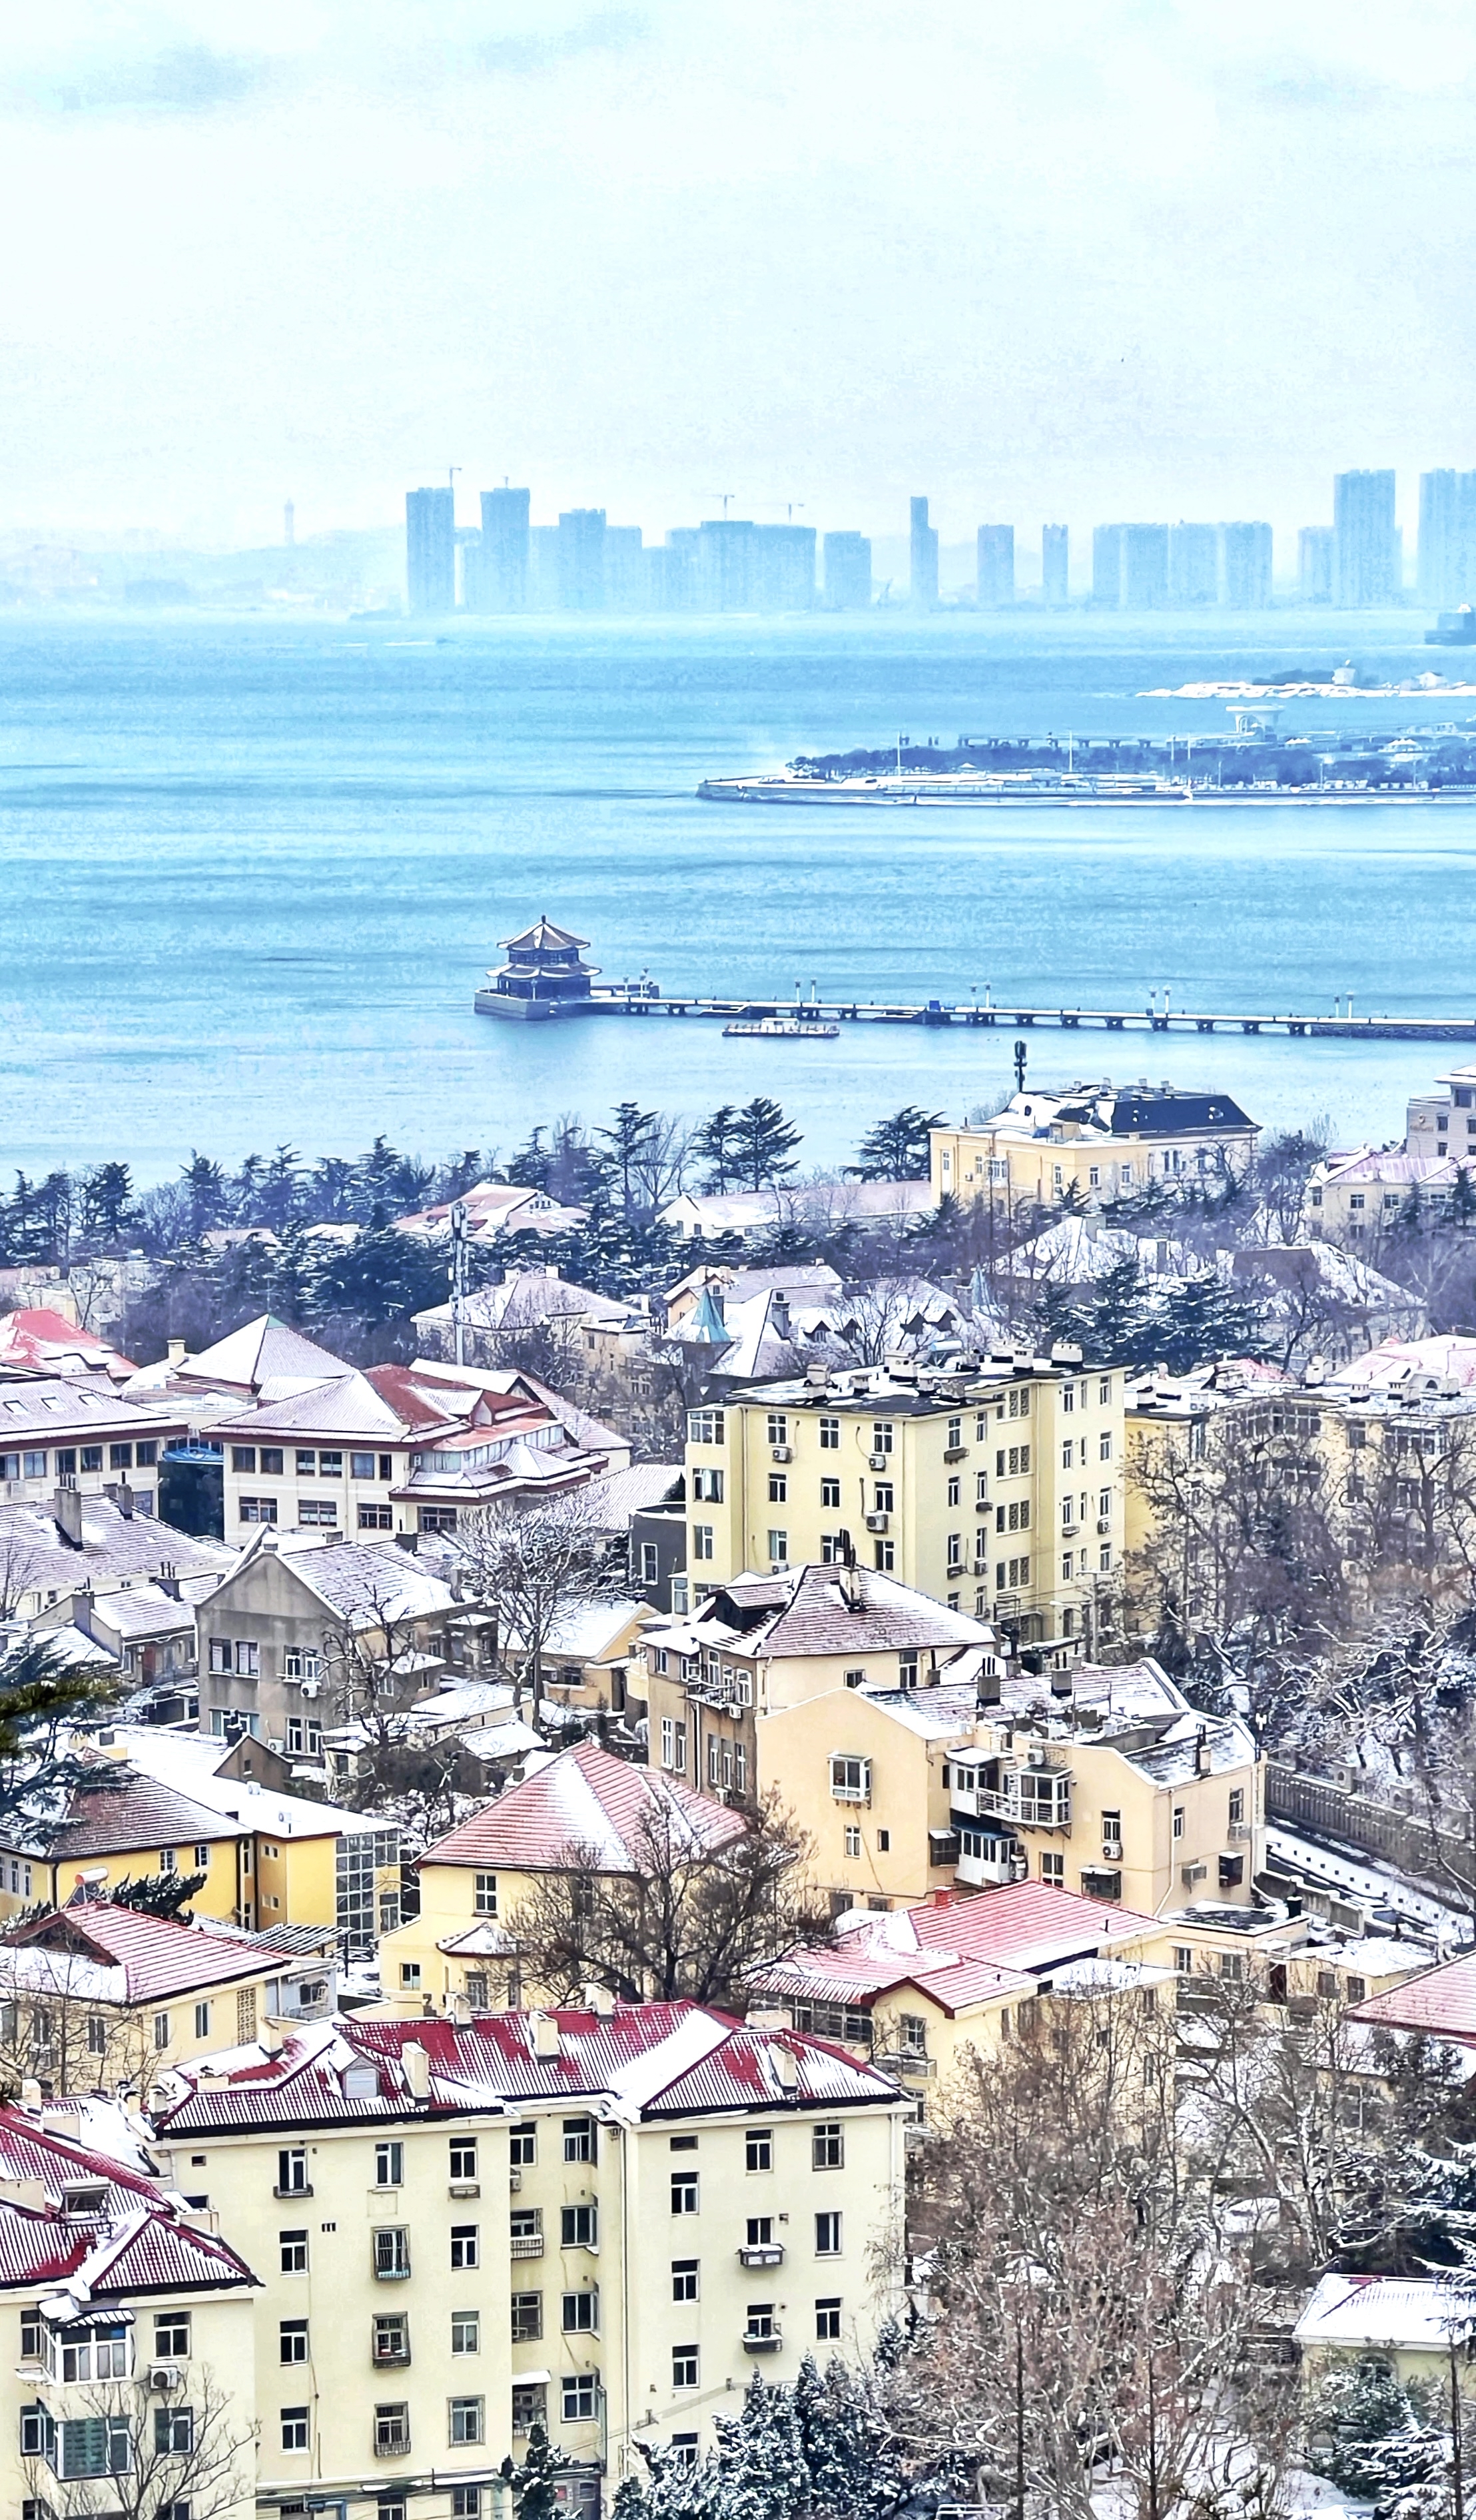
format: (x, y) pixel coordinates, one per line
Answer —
(1082, 258)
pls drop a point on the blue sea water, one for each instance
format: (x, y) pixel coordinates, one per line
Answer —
(251, 871)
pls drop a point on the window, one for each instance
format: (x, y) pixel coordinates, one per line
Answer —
(881, 1437)
(707, 1487)
(705, 1427)
(1237, 1807)
(778, 1548)
(1104, 1448)
(758, 2148)
(466, 2331)
(884, 1493)
(466, 2502)
(463, 2245)
(827, 2235)
(306, 1465)
(161, 2029)
(297, 1663)
(391, 2430)
(829, 1435)
(683, 2191)
(673, 1747)
(779, 1487)
(248, 1659)
(684, 2279)
(1178, 1819)
(579, 2394)
(462, 2163)
(884, 1555)
(389, 2165)
(523, 2145)
(316, 1513)
(35, 1464)
(830, 1496)
(257, 1509)
(243, 1457)
(852, 1844)
(827, 2147)
(390, 2336)
(1233, 1966)
(779, 1428)
(293, 2246)
(171, 2336)
(361, 1466)
(465, 2422)
(294, 2422)
(291, 2173)
(484, 1901)
(760, 2322)
(391, 2253)
(1054, 1870)
(827, 2318)
(683, 2367)
(529, 2406)
(850, 1779)
(292, 2340)
(651, 1563)
(579, 2138)
(581, 2312)
(92, 1457)
(579, 2227)
(272, 1460)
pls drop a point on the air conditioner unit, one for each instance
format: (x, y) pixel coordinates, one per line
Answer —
(878, 1460)
(312, 1689)
(166, 2377)
(1111, 1850)
(1104, 1524)
(878, 1521)
(1192, 1873)
(783, 1453)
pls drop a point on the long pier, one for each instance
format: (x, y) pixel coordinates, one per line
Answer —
(642, 1003)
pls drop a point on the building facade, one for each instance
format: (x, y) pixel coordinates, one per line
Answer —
(430, 550)
(1094, 1142)
(1365, 541)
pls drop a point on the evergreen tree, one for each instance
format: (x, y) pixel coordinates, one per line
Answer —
(107, 1197)
(158, 1894)
(41, 1697)
(534, 2481)
(899, 1149)
(627, 1142)
(1462, 1199)
(528, 1168)
(205, 1188)
(761, 2457)
(381, 1277)
(1203, 1318)
(763, 1144)
(1372, 2436)
(715, 1147)
(277, 1199)
(1112, 1327)
(331, 1193)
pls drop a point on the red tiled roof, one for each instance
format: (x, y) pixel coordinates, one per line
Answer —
(659, 2059)
(585, 1799)
(1439, 2001)
(133, 2242)
(160, 1957)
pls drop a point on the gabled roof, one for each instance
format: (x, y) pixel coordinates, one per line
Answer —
(1420, 2313)
(47, 1342)
(114, 1546)
(584, 1800)
(1439, 2001)
(359, 1582)
(1020, 1925)
(811, 1612)
(348, 1406)
(152, 1956)
(132, 2242)
(190, 1764)
(641, 2061)
(121, 1814)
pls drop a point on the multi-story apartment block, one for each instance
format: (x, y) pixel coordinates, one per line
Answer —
(283, 1635)
(405, 1449)
(998, 1485)
(63, 1436)
(1096, 1143)
(131, 2338)
(599, 2221)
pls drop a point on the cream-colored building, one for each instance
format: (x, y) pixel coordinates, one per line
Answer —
(995, 1488)
(1092, 1143)
(124, 2312)
(460, 1950)
(602, 2220)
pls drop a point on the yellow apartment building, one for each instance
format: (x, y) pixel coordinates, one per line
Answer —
(121, 2310)
(1094, 1144)
(995, 1488)
(461, 1952)
(599, 2221)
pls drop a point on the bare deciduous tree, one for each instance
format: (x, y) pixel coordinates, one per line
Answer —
(150, 2457)
(694, 1918)
(533, 1565)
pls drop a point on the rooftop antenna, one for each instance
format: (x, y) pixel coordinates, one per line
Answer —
(1022, 1053)
(459, 1279)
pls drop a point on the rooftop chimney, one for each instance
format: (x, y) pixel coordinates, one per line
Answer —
(787, 2067)
(1201, 1752)
(598, 2000)
(67, 1509)
(176, 1354)
(415, 2061)
(849, 1585)
(544, 2031)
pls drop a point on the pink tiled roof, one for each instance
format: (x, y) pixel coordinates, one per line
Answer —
(47, 1342)
(1440, 2001)
(134, 2241)
(157, 1956)
(585, 1799)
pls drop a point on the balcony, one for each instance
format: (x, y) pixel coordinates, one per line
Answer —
(984, 1872)
(526, 2244)
(956, 1452)
(763, 2341)
(1030, 1798)
(907, 2060)
(762, 2253)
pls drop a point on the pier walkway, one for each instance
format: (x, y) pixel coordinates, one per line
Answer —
(642, 1003)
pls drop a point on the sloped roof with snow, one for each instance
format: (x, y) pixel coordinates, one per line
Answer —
(1416, 2313)
(149, 1958)
(131, 2241)
(641, 2061)
(1441, 2001)
(261, 1354)
(812, 1613)
(1396, 1360)
(184, 1765)
(584, 1801)
(114, 1547)
(42, 1341)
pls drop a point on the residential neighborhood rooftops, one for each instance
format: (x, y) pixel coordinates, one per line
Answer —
(115, 1548)
(362, 1584)
(584, 1801)
(631, 2062)
(63, 1409)
(185, 1767)
(961, 1952)
(114, 1810)
(97, 2230)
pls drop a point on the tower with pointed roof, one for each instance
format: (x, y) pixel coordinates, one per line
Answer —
(543, 975)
